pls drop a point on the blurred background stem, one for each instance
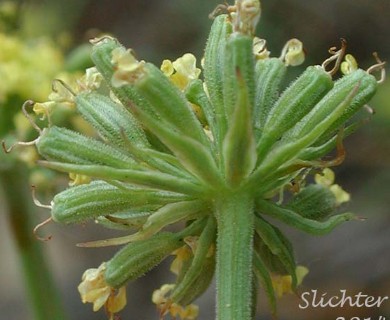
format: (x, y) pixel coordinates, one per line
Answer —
(42, 293)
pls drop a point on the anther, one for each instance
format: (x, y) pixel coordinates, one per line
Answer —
(30, 103)
(336, 56)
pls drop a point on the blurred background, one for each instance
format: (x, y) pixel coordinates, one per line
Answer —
(355, 257)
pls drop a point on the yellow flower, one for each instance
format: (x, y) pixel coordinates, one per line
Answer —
(182, 255)
(327, 180)
(43, 109)
(260, 49)
(77, 179)
(94, 289)
(349, 64)
(282, 284)
(293, 53)
(91, 80)
(26, 62)
(165, 305)
(189, 312)
(127, 67)
(182, 70)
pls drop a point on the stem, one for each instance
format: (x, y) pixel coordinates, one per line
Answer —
(39, 283)
(234, 256)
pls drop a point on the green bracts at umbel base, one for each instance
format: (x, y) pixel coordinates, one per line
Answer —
(215, 157)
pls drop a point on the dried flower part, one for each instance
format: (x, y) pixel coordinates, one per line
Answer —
(95, 290)
(245, 15)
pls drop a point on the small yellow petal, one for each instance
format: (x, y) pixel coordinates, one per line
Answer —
(116, 302)
(167, 67)
(91, 80)
(158, 296)
(340, 194)
(43, 109)
(282, 284)
(182, 255)
(349, 64)
(78, 179)
(190, 312)
(293, 53)
(326, 178)
(301, 272)
(94, 289)
(127, 67)
(260, 48)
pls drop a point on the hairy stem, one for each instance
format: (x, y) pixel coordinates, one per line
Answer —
(234, 256)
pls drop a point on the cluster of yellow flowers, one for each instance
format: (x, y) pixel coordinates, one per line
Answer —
(94, 289)
(33, 63)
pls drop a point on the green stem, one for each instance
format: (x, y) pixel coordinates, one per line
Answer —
(234, 256)
(39, 283)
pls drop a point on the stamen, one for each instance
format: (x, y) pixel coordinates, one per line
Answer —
(219, 9)
(336, 56)
(19, 143)
(38, 226)
(103, 38)
(37, 202)
(30, 103)
(379, 66)
(369, 109)
(63, 84)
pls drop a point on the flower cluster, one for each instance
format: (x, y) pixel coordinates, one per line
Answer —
(26, 62)
(209, 152)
